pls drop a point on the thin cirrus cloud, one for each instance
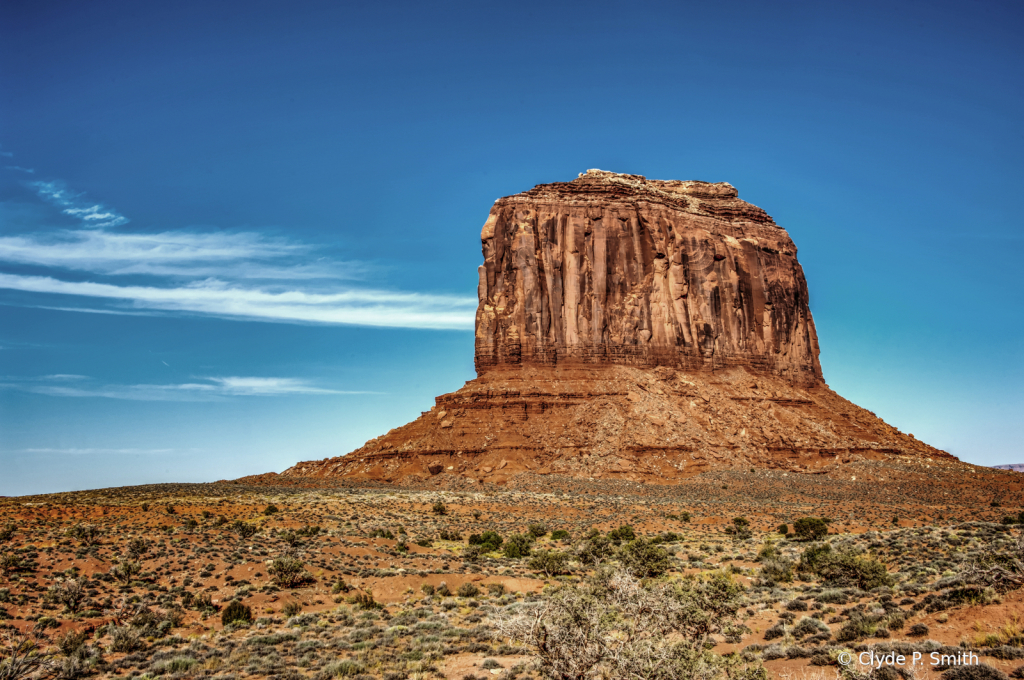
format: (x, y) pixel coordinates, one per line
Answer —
(205, 389)
(240, 275)
(217, 298)
(70, 203)
(245, 255)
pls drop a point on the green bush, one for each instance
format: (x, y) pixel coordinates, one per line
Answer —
(644, 559)
(810, 528)
(551, 562)
(467, 589)
(843, 570)
(777, 570)
(244, 529)
(559, 535)
(517, 546)
(783, 529)
(537, 530)
(489, 541)
(288, 571)
(594, 550)
(439, 508)
(236, 612)
(270, 510)
(622, 534)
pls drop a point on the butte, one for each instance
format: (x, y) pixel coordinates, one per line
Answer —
(632, 329)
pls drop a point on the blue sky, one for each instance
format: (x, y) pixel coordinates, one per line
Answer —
(238, 235)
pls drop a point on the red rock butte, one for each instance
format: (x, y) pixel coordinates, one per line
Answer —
(633, 329)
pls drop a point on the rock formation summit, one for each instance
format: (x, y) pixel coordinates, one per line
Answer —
(635, 329)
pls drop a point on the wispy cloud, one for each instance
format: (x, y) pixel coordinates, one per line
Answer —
(21, 169)
(216, 298)
(71, 203)
(178, 253)
(204, 389)
(232, 275)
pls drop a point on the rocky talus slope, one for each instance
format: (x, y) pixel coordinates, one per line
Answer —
(653, 425)
(633, 329)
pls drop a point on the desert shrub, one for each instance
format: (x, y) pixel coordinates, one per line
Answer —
(667, 537)
(288, 572)
(740, 528)
(343, 669)
(467, 589)
(768, 550)
(537, 530)
(88, 534)
(448, 535)
(971, 672)
(857, 627)
(643, 559)
(917, 630)
(560, 535)
(613, 625)
(783, 529)
(810, 528)
(594, 550)
(516, 546)
(270, 510)
(843, 569)
(125, 639)
(551, 562)
(796, 606)
(623, 533)
(439, 508)
(489, 541)
(236, 612)
(364, 600)
(21, 657)
(496, 589)
(831, 597)
(808, 626)
(777, 570)
(382, 533)
(775, 632)
(243, 529)
(137, 547)
(427, 589)
(291, 608)
(68, 592)
(7, 533)
(126, 569)
(1000, 569)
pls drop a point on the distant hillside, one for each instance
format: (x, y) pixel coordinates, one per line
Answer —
(1016, 467)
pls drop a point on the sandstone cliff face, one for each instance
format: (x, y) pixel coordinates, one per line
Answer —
(619, 269)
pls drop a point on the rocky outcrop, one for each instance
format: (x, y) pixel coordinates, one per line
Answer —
(619, 269)
(633, 329)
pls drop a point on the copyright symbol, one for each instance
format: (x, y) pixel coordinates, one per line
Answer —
(845, 658)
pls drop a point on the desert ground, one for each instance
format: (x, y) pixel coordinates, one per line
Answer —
(294, 578)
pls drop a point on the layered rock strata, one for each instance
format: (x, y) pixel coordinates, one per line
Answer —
(656, 425)
(619, 269)
(636, 329)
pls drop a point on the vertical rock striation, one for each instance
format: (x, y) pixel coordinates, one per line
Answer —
(619, 269)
